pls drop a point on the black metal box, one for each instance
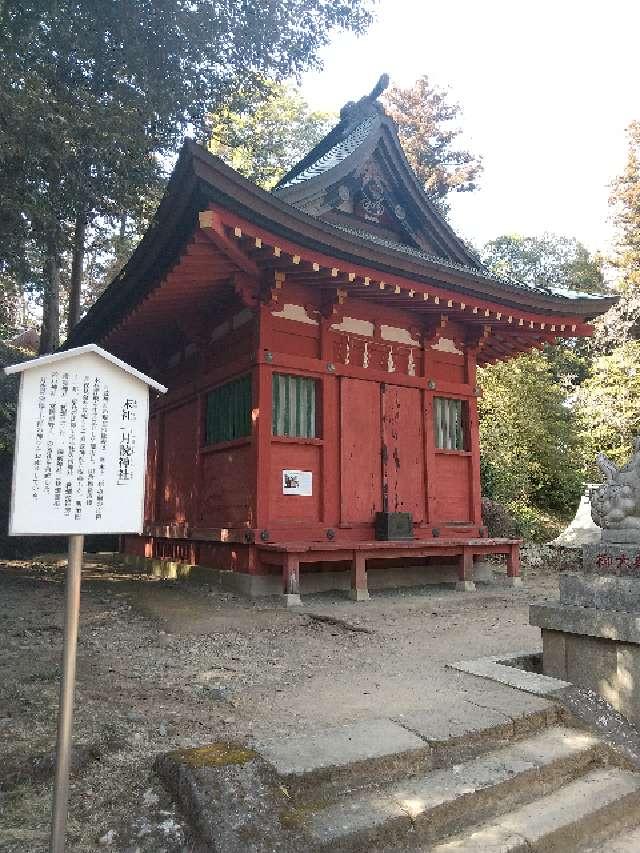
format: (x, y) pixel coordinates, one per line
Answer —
(394, 525)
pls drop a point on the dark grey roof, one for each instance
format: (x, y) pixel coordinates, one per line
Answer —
(481, 272)
(335, 155)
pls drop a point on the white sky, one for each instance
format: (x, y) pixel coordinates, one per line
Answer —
(547, 89)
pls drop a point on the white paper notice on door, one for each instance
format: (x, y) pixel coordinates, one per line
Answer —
(297, 483)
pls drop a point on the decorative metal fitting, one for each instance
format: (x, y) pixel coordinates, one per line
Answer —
(264, 535)
(331, 534)
(431, 385)
(436, 532)
(249, 537)
(268, 356)
(331, 368)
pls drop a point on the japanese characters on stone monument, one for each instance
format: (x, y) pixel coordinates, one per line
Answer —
(81, 445)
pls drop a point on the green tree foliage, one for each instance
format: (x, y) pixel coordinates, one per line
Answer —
(550, 261)
(557, 262)
(608, 405)
(426, 120)
(527, 436)
(92, 92)
(531, 450)
(622, 323)
(626, 202)
(267, 137)
(608, 402)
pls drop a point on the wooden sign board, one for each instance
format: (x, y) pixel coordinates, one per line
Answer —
(81, 445)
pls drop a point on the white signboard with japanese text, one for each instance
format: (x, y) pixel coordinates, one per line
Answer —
(296, 482)
(81, 445)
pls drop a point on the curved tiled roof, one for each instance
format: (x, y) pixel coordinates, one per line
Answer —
(201, 179)
(335, 155)
(481, 272)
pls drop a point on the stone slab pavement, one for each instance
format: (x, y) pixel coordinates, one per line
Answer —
(502, 714)
(165, 665)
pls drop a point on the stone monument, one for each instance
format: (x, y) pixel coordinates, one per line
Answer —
(582, 530)
(592, 637)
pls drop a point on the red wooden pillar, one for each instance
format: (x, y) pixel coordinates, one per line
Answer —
(429, 458)
(359, 588)
(465, 571)
(159, 495)
(513, 565)
(329, 432)
(475, 493)
(291, 579)
(196, 508)
(261, 420)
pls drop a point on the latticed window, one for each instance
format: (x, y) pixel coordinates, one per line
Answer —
(294, 406)
(449, 423)
(228, 414)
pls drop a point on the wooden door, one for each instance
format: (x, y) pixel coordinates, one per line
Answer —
(360, 451)
(403, 451)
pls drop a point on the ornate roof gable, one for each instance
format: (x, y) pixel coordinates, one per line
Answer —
(358, 178)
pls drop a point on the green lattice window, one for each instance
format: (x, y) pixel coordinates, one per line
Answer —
(449, 417)
(294, 406)
(228, 411)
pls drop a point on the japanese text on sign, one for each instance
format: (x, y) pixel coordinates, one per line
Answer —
(81, 451)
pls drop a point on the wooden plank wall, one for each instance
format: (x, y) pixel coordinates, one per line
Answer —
(239, 484)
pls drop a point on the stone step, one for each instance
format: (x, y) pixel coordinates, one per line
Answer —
(438, 803)
(561, 822)
(624, 842)
(320, 765)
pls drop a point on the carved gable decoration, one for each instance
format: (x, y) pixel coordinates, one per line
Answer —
(371, 198)
(358, 178)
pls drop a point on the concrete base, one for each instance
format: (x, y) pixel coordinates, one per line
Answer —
(291, 600)
(621, 536)
(359, 595)
(258, 586)
(601, 624)
(513, 582)
(607, 667)
(465, 586)
(602, 593)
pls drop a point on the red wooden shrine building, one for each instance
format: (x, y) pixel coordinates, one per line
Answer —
(320, 346)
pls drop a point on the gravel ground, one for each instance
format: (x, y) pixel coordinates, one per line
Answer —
(165, 664)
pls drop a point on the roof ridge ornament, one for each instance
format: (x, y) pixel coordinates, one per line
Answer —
(354, 111)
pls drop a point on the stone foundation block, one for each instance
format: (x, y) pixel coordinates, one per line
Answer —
(608, 592)
(465, 586)
(625, 535)
(609, 668)
(591, 663)
(359, 595)
(603, 624)
(554, 654)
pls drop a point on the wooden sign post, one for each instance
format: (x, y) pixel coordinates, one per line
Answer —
(79, 467)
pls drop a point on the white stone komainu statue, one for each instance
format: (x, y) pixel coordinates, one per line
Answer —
(615, 505)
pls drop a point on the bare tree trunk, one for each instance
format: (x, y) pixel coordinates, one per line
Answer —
(50, 333)
(77, 267)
